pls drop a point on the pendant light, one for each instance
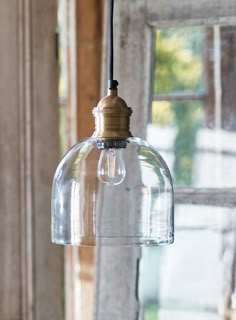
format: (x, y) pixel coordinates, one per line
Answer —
(112, 188)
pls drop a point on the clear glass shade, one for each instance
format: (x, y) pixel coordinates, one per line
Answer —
(120, 195)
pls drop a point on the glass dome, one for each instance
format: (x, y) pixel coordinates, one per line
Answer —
(118, 194)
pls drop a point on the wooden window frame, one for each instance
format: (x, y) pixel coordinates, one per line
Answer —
(192, 13)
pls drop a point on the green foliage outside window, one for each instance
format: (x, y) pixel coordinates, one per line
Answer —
(179, 68)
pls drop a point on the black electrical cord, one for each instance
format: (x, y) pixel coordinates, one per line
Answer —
(112, 84)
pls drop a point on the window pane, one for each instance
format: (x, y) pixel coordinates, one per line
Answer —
(174, 130)
(193, 115)
(194, 278)
(178, 60)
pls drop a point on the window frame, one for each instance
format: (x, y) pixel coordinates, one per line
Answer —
(192, 13)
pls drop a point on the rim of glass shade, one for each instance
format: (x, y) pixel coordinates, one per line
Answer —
(119, 241)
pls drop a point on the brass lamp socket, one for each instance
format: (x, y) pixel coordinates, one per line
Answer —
(112, 118)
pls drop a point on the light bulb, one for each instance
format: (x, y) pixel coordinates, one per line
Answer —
(111, 166)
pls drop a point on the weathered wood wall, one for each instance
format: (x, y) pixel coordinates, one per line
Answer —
(188, 12)
(31, 267)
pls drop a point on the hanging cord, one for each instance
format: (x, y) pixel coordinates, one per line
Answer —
(112, 84)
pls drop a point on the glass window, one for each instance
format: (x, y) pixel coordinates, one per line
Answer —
(192, 114)
(192, 123)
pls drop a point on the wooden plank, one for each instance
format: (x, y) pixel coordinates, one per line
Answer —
(31, 268)
(228, 76)
(190, 12)
(208, 60)
(179, 97)
(133, 61)
(88, 58)
(10, 256)
(68, 42)
(224, 197)
(25, 140)
(116, 283)
(228, 269)
(116, 268)
(45, 151)
(84, 24)
(79, 283)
